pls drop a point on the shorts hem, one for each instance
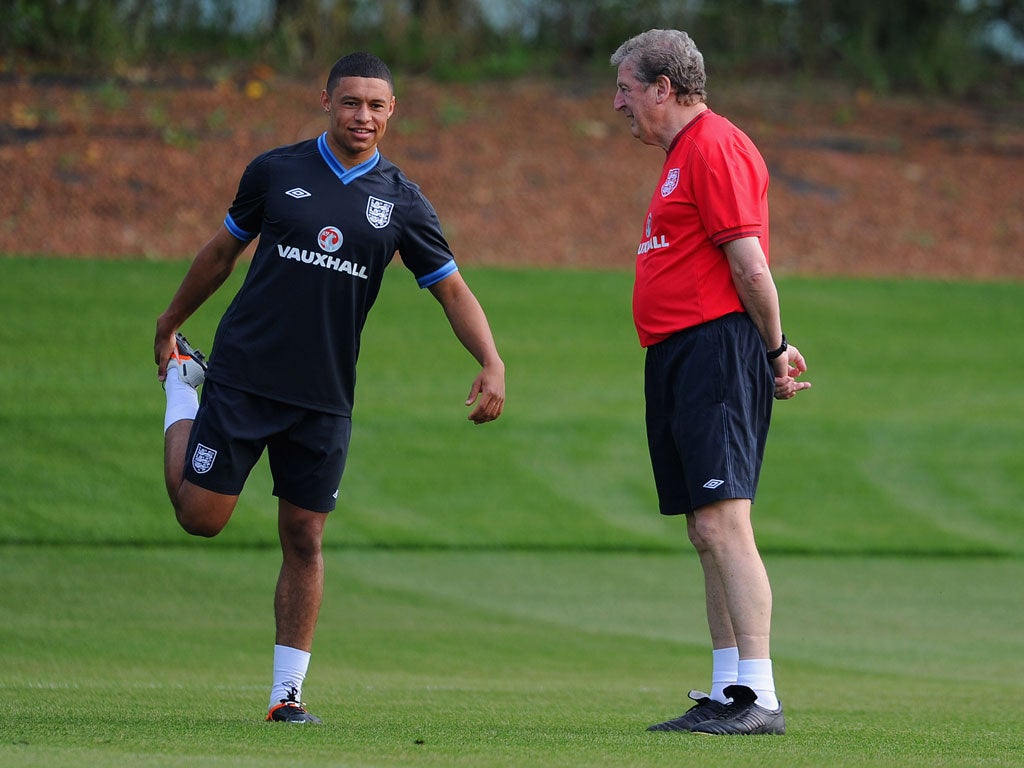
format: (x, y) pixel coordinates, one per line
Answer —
(317, 508)
(194, 479)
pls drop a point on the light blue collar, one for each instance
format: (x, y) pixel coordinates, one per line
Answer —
(351, 174)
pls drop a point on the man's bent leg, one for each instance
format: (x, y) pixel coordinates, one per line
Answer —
(175, 446)
(200, 512)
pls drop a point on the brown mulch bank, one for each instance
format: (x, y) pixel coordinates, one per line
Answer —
(522, 173)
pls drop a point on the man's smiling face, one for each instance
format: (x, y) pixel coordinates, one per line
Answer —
(359, 109)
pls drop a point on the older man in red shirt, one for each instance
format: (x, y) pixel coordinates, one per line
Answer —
(707, 310)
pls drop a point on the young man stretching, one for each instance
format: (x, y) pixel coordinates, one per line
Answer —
(328, 215)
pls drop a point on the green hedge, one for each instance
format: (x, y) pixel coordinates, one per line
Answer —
(941, 46)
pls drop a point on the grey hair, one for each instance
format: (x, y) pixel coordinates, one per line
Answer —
(668, 52)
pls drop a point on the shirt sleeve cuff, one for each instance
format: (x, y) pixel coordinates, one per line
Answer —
(437, 275)
(237, 231)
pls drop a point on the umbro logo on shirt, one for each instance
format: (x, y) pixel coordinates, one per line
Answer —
(298, 192)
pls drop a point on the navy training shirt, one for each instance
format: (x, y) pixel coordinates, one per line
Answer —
(326, 235)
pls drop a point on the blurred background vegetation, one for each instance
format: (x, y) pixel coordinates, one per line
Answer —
(956, 47)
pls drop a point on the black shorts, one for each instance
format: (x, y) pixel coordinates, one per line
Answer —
(307, 449)
(709, 392)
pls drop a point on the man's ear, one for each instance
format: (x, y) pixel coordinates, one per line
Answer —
(664, 88)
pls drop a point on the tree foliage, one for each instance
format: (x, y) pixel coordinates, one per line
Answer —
(934, 45)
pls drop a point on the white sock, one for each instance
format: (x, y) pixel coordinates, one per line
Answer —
(182, 400)
(723, 672)
(757, 675)
(290, 665)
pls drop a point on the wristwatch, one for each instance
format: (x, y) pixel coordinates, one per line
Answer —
(774, 353)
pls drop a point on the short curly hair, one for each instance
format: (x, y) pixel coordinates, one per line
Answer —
(668, 52)
(359, 64)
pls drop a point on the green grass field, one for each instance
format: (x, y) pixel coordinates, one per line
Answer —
(506, 595)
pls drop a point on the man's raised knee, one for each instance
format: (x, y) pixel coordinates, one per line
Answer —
(201, 512)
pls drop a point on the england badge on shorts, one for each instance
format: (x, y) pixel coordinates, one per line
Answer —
(203, 458)
(378, 212)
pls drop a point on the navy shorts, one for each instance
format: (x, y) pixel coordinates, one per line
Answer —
(709, 392)
(306, 448)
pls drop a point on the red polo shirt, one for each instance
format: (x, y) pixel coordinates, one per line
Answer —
(713, 189)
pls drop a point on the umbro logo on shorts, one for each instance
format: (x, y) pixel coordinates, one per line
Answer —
(713, 483)
(298, 192)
